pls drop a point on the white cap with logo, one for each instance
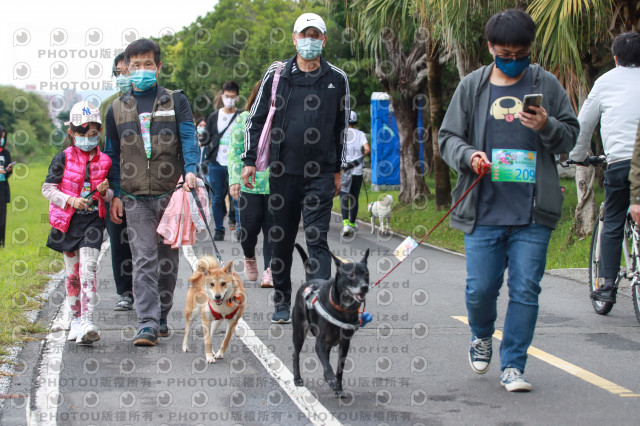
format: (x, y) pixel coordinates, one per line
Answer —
(82, 113)
(307, 20)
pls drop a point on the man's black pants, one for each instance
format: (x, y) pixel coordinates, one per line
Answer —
(616, 190)
(121, 262)
(290, 197)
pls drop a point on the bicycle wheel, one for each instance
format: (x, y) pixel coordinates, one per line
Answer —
(635, 293)
(602, 308)
(635, 282)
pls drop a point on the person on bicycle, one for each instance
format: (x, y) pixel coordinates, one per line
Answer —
(634, 180)
(615, 102)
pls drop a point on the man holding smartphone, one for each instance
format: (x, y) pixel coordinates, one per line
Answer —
(508, 219)
(614, 101)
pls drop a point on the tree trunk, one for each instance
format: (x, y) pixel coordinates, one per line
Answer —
(467, 60)
(412, 184)
(585, 214)
(434, 85)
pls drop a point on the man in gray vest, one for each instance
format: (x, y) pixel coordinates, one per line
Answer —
(150, 131)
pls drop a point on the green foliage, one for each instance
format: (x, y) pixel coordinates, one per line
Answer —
(238, 41)
(25, 117)
(26, 262)
(566, 30)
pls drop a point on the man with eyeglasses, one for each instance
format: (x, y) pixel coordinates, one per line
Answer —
(508, 219)
(308, 134)
(121, 262)
(151, 139)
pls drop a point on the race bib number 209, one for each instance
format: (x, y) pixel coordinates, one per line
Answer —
(513, 165)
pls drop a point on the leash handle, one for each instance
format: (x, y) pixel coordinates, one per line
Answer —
(475, 182)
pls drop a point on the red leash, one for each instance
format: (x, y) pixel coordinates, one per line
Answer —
(437, 224)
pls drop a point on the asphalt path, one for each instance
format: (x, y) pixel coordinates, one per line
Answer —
(408, 366)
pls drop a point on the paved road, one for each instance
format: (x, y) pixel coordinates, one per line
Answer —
(408, 367)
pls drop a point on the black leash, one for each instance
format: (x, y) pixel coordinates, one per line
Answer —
(201, 210)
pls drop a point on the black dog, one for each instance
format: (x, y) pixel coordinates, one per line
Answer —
(329, 308)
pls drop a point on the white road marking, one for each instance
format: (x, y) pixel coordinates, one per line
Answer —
(306, 401)
(301, 396)
(48, 396)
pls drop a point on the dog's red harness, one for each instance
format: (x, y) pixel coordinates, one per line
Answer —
(217, 316)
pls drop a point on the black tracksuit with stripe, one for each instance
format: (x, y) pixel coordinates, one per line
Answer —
(307, 139)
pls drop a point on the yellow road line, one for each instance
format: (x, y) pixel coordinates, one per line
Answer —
(572, 369)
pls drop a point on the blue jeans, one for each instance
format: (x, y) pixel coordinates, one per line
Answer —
(490, 250)
(219, 180)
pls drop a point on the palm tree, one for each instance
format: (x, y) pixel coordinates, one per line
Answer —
(389, 32)
(573, 38)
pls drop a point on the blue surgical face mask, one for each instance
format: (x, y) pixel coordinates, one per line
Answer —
(309, 48)
(86, 143)
(513, 67)
(123, 82)
(201, 130)
(1, 142)
(143, 79)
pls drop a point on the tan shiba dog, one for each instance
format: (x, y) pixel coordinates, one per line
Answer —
(218, 294)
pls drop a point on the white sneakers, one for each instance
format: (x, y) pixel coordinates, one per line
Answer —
(88, 333)
(74, 330)
(513, 381)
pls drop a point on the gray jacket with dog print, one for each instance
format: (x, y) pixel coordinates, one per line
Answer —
(462, 133)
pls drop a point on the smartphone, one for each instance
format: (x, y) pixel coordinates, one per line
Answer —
(12, 163)
(529, 100)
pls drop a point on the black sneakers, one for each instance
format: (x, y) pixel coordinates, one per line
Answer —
(218, 235)
(281, 315)
(606, 293)
(163, 330)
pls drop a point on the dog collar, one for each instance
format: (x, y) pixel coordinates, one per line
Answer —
(311, 297)
(218, 316)
(340, 308)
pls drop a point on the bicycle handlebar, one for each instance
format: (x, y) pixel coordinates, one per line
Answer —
(594, 160)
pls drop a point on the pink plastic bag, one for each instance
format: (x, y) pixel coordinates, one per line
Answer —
(262, 159)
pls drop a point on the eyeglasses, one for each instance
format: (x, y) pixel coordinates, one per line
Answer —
(513, 55)
(507, 54)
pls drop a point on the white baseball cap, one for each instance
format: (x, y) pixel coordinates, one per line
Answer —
(307, 20)
(84, 112)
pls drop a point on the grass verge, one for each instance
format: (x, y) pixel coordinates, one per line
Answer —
(25, 260)
(565, 250)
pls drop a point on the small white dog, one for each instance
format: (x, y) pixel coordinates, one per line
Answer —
(382, 211)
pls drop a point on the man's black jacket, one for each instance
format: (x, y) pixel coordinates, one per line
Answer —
(332, 89)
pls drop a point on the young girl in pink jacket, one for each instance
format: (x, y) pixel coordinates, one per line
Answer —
(77, 187)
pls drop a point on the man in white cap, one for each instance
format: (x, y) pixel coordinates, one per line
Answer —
(308, 134)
